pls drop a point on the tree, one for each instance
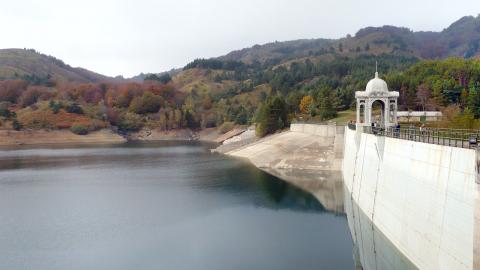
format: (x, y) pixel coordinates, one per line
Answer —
(162, 78)
(147, 103)
(271, 116)
(423, 95)
(10, 90)
(241, 116)
(326, 103)
(473, 102)
(130, 122)
(190, 120)
(306, 105)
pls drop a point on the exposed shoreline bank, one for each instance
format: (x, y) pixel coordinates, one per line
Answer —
(54, 137)
(30, 137)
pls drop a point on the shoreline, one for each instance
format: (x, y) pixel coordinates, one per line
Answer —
(39, 137)
(9, 138)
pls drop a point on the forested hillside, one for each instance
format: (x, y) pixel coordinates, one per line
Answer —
(461, 39)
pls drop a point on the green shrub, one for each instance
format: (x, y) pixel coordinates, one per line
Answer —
(55, 106)
(5, 113)
(16, 125)
(226, 127)
(79, 129)
(74, 108)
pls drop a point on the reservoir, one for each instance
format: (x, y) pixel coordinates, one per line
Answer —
(168, 205)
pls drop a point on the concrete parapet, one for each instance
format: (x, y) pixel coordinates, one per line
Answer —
(297, 127)
(317, 129)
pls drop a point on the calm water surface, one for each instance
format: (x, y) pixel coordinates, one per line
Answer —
(159, 206)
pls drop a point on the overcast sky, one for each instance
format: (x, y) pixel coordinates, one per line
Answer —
(126, 37)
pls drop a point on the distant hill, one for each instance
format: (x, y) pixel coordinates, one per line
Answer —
(462, 39)
(18, 63)
(278, 51)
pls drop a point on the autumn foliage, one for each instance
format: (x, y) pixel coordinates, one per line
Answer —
(91, 106)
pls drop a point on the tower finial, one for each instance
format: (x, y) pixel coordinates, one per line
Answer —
(376, 69)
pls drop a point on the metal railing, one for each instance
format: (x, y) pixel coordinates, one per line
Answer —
(464, 138)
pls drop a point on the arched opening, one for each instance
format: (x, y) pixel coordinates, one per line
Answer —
(378, 113)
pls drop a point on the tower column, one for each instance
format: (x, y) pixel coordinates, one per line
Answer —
(358, 111)
(395, 112)
(386, 117)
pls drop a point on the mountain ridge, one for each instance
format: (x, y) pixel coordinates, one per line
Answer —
(459, 39)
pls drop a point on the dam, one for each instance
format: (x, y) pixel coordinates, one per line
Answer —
(409, 205)
(411, 202)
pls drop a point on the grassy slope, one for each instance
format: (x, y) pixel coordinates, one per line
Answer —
(28, 62)
(200, 80)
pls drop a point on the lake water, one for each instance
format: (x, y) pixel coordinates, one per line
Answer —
(163, 205)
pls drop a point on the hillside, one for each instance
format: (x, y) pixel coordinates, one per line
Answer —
(462, 39)
(22, 63)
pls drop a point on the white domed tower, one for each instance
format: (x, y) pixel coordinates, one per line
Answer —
(377, 91)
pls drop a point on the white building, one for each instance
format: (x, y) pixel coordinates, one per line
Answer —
(377, 91)
(408, 116)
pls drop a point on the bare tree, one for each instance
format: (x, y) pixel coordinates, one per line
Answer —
(424, 95)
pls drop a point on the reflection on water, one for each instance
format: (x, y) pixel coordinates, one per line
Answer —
(372, 249)
(160, 206)
(326, 186)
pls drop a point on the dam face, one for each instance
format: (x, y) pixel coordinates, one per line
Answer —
(423, 198)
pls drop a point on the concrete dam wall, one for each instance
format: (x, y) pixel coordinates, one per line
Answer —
(409, 205)
(423, 198)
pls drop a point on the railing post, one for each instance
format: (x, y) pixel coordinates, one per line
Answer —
(449, 136)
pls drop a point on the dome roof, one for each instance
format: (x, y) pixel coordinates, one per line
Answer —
(376, 85)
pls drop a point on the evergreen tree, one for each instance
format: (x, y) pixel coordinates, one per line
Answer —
(326, 103)
(271, 116)
(473, 102)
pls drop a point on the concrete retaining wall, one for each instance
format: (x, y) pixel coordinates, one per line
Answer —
(319, 130)
(305, 146)
(422, 197)
(308, 156)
